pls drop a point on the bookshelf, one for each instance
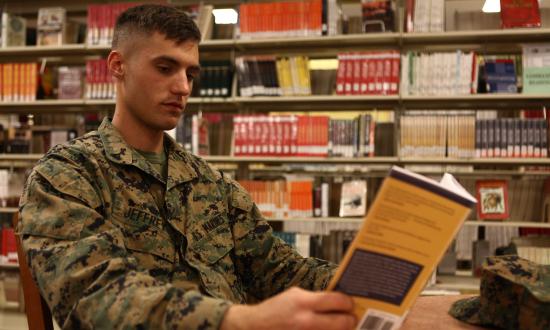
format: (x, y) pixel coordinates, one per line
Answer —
(483, 41)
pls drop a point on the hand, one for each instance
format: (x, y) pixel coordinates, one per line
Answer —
(294, 309)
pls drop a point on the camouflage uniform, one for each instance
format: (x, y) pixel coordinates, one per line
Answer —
(105, 256)
(514, 294)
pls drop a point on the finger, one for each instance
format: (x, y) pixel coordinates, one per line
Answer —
(334, 321)
(330, 302)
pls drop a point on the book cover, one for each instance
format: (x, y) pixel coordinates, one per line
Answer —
(353, 201)
(519, 14)
(51, 26)
(493, 199)
(405, 234)
(69, 81)
(13, 30)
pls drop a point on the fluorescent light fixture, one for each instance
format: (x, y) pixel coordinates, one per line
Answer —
(491, 6)
(225, 16)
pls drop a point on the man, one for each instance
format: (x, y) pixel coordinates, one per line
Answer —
(124, 229)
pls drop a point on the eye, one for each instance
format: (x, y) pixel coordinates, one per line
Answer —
(163, 69)
(190, 77)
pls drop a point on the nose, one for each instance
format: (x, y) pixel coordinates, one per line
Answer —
(181, 85)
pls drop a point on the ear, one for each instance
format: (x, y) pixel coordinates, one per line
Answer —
(115, 64)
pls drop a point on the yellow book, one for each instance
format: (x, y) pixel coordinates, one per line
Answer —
(403, 237)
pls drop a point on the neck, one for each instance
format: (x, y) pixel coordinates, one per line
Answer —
(136, 134)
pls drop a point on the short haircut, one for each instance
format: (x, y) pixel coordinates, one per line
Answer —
(147, 19)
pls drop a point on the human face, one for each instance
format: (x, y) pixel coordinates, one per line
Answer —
(157, 80)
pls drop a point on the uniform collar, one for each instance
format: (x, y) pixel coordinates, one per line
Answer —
(118, 151)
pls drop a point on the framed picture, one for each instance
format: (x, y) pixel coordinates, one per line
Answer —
(492, 197)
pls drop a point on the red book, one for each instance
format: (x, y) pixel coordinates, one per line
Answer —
(348, 79)
(492, 196)
(341, 74)
(519, 13)
(394, 81)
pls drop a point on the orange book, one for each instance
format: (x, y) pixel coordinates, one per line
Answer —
(8, 82)
(1, 82)
(16, 82)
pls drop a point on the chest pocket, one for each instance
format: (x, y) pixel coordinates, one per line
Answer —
(211, 256)
(151, 245)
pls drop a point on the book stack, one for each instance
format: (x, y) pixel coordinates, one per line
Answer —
(282, 198)
(13, 30)
(429, 134)
(215, 80)
(368, 73)
(272, 76)
(18, 82)
(318, 136)
(281, 19)
(99, 83)
(445, 73)
(511, 137)
(425, 15)
(9, 248)
(101, 22)
(209, 134)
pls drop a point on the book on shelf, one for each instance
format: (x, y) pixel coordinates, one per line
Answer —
(437, 73)
(99, 82)
(368, 73)
(18, 82)
(281, 19)
(330, 18)
(493, 199)
(399, 244)
(101, 21)
(209, 134)
(519, 14)
(215, 79)
(424, 16)
(13, 30)
(51, 26)
(69, 82)
(536, 68)
(378, 15)
(353, 202)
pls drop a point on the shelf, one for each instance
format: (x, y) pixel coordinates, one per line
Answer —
(8, 209)
(317, 102)
(307, 44)
(523, 224)
(71, 49)
(476, 101)
(346, 161)
(456, 282)
(478, 36)
(506, 223)
(312, 219)
(380, 160)
(307, 103)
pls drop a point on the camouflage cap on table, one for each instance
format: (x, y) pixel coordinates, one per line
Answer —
(514, 294)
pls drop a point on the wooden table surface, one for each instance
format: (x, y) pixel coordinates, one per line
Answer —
(431, 312)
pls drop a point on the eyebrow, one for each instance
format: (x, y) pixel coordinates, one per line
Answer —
(173, 61)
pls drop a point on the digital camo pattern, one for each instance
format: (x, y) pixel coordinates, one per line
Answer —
(514, 294)
(105, 256)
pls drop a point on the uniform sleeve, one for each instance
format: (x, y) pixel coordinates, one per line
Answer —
(266, 264)
(82, 268)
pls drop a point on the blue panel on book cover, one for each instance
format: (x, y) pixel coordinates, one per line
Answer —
(500, 77)
(378, 276)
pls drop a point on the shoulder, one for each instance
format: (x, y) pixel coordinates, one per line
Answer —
(71, 167)
(203, 169)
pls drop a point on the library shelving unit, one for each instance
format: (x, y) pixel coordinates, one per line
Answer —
(488, 41)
